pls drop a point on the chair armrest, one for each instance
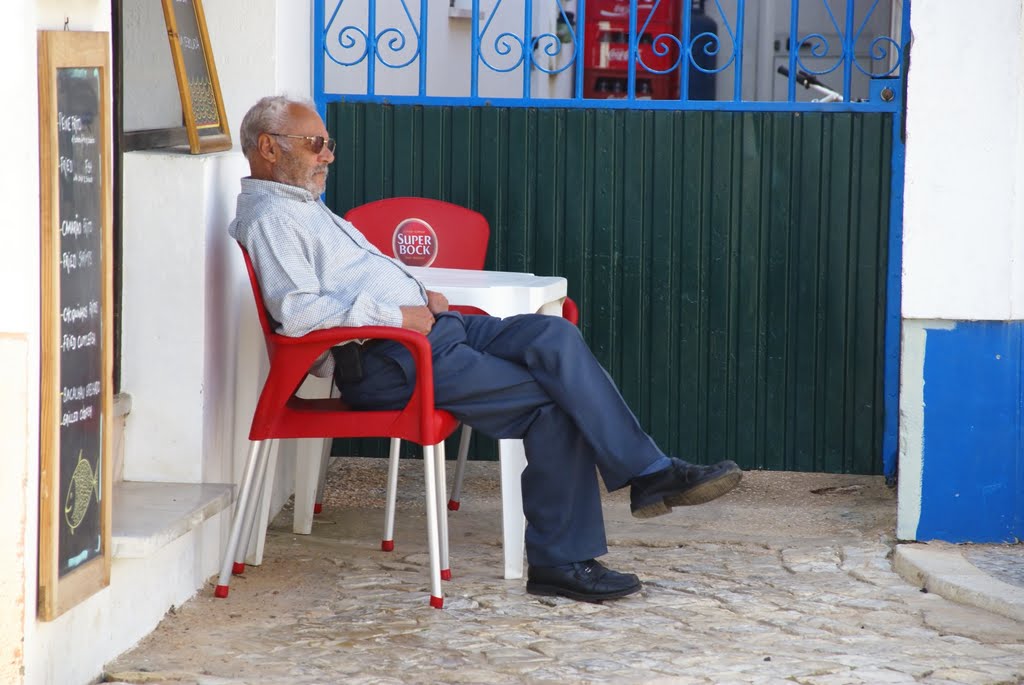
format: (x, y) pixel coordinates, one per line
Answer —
(302, 351)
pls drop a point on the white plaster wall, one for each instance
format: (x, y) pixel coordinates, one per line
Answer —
(178, 332)
(19, 339)
(190, 359)
(244, 38)
(81, 15)
(294, 52)
(266, 50)
(963, 212)
(17, 443)
(1016, 207)
(19, 260)
(72, 649)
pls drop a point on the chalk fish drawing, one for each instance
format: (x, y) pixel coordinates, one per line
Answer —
(77, 503)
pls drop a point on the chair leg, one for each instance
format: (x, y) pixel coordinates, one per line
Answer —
(253, 507)
(325, 459)
(442, 514)
(387, 543)
(460, 467)
(309, 455)
(241, 504)
(429, 467)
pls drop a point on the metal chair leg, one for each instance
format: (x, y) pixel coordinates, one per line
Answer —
(241, 504)
(387, 543)
(460, 467)
(253, 506)
(429, 467)
(442, 513)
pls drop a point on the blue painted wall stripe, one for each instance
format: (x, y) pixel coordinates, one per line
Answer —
(972, 486)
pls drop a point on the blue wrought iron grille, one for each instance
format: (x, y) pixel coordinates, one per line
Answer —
(790, 55)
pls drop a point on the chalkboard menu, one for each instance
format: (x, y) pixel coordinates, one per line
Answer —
(201, 101)
(75, 319)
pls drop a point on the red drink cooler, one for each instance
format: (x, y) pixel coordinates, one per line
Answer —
(606, 58)
(667, 11)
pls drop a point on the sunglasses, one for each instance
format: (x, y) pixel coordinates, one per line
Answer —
(316, 143)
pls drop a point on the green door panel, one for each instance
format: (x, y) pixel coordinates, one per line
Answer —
(729, 266)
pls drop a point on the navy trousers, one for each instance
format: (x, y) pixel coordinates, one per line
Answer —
(530, 377)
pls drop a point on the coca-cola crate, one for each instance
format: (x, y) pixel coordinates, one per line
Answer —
(607, 47)
(666, 12)
(599, 84)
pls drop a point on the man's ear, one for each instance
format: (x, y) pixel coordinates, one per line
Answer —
(267, 147)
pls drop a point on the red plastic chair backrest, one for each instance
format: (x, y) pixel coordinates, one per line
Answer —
(430, 232)
(261, 309)
(460, 236)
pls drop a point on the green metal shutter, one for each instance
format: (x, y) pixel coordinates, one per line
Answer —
(729, 267)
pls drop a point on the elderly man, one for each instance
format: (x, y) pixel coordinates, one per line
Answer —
(530, 377)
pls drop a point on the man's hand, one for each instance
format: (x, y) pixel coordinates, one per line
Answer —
(418, 318)
(436, 302)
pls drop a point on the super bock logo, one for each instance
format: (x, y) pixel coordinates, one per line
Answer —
(414, 243)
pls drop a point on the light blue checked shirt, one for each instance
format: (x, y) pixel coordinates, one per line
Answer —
(315, 269)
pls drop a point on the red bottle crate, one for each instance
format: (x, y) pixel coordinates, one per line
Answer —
(607, 47)
(600, 84)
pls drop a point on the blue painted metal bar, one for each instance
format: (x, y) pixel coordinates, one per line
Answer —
(371, 48)
(849, 46)
(738, 48)
(894, 282)
(347, 39)
(686, 54)
(631, 69)
(474, 48)
(792, 43)
(423, 48)
(319, 49)
(528, 48)
(581, 17)
(699, 105)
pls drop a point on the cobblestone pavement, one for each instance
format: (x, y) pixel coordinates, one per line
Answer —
(786, 580)
(1003, 562)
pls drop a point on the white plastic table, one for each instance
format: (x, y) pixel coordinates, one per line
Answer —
(499, 293)
(502, 293)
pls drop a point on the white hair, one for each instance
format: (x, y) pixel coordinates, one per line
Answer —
(268, 115)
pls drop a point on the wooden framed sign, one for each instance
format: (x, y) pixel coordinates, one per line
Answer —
(201, 101)
(76, 323)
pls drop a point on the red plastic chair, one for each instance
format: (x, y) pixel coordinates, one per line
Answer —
(281, 414)
(458, 237)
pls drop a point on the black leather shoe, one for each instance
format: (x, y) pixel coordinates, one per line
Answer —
(587, 581)
(681, 484)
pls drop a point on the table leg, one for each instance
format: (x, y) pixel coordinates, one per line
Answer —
(513, 521)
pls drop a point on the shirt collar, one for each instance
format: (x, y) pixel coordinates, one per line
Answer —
(257, 186)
